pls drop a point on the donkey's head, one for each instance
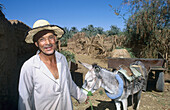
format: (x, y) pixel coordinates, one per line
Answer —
(93, 79)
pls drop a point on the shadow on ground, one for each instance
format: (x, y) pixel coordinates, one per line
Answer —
(103, 105)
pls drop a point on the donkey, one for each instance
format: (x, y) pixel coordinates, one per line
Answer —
(116, 85)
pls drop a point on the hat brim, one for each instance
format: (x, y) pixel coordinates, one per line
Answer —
(30, 34)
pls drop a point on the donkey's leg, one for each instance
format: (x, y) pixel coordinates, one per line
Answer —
(118, 105)
(137, 100)
(124, 103)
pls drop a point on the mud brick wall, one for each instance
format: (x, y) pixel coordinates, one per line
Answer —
(8, 54)
(13, 52)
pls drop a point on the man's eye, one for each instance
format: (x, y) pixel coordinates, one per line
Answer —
(51, 37)
(41, 39)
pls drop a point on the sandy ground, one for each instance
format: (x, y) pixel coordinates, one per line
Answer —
(150, 100)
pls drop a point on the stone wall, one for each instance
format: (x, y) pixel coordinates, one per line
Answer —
(13, 52)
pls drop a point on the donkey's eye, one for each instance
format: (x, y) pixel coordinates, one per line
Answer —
(97, 70)
(90, 80)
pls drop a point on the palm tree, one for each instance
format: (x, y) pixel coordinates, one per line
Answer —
(73, 30)
(99, 30)
(91, 30)
(65, 37)
(1, 7)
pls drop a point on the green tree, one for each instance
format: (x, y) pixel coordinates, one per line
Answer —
(66, 36)
(89, 30)
(99, 30)
(73, 30)
(114, 30)
(84, 29)
(148, 26)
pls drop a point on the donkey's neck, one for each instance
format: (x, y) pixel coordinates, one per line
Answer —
(109, 81)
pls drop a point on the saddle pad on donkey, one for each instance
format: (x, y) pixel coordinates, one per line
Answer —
(132, 73)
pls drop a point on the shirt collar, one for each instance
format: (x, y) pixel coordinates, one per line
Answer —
(37, 61)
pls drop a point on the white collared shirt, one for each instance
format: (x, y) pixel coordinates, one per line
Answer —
(39, 90)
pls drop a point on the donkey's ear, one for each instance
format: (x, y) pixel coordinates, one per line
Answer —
(88, 66)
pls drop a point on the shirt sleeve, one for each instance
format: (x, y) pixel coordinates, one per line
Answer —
(25, 88)
(75, 91)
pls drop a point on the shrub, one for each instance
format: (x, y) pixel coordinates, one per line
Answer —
(69, 56)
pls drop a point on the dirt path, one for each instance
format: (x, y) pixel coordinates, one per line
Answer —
(150, 100)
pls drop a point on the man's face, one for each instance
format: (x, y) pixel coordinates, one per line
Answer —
(47, 43)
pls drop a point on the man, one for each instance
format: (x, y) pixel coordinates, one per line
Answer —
(45, 81)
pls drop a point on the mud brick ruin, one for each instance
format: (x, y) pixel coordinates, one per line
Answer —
(13, 52)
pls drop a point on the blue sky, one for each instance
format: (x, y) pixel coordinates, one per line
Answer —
(65, 13)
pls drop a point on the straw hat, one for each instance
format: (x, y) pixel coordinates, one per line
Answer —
(40, 25)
